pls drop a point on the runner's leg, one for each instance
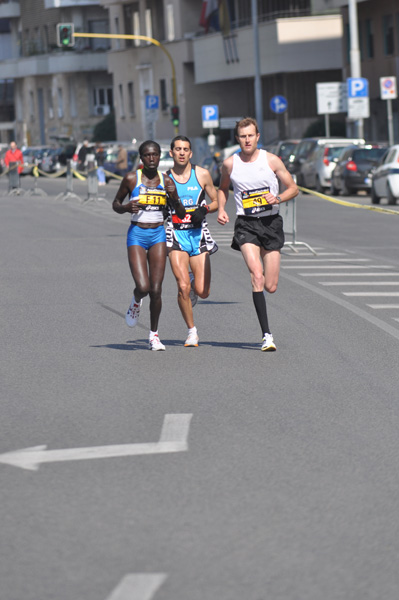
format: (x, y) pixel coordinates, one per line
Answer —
(271, 264)
(201, 268)
(156, 263)
(137, 256)
(179, 262)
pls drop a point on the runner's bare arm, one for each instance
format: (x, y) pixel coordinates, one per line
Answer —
(173, 197)
(205, 179)
(291, 189)
(128, 184)
(223, 191)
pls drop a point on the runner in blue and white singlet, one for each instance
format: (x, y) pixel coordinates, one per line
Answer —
(189, 242)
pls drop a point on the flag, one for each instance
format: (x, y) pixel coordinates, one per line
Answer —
(209, 15)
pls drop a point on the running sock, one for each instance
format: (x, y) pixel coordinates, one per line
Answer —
(260, 307)
(153, 333)
(192, 330)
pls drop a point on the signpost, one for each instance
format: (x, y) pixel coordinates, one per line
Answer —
(210, 119)
(331, 99)
(151, 113)
(358, 98)
(278, 104)
(389, 92)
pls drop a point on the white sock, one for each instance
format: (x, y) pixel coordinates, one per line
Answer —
(153, 333)
(192, 330)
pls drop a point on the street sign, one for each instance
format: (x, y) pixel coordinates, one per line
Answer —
(278, 104)
(358, 98)
(358, 87)
(229, 122)
(388, 88)
(152, 102)
(210, 116)
(331, 97)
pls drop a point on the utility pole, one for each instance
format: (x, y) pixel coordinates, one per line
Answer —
(258, 84)
(355, 53)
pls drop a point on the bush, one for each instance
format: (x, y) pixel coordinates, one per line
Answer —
(105, 130)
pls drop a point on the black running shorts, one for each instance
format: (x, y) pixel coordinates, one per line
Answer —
(265, 232)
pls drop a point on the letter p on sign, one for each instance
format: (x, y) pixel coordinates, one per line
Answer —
(210, 116)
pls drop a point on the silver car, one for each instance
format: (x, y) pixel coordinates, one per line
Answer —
(317, 168)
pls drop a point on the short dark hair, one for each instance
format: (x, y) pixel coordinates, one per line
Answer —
(144, 145)
(182, 138)
(245, 123)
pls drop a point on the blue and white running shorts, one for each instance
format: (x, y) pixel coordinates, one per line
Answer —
(138, 236)
(188, 240)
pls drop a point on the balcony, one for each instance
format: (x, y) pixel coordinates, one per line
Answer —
(69, 3)
(48, 64)
(9, 9)
(286, 45)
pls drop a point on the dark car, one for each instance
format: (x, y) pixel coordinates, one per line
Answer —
(283, 149)
(305, 147)
(50, 161)
(352, 171)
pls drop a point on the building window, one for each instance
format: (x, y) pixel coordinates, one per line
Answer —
(148, 23)
(388, 33)
(99, 26)
(60, 103)
(50, 106)
(72, 98)
(130, 98)
(162, 93)
(117, 31)
(102, 100)
(121, 102)
(369, 39)
(170, 23)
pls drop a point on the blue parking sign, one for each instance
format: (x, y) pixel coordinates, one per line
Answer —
(210, 115)
(358, 87)
(151, 102)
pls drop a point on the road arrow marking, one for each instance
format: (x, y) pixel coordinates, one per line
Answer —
(140, 586)
(173, 438)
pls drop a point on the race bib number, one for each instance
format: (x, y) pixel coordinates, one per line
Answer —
(254, 202)
(184, 223)
(157, 198)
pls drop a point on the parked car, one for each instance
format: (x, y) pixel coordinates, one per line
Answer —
(306, 146)
(32, 157)
(50, 161)
(211, 164)
(385, 177)
(352, 171)
(110, 162)
(283, 149)
(317, 169)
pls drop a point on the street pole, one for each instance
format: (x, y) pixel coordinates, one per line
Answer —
(258, 85)
(355, 53)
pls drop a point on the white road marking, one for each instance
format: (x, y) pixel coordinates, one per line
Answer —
(359, 283)
(382, 306)
(366, 294)
(138, 586)
(375, 274)
(173, 438)
(393, 331)
(338, 267)
(314, 260)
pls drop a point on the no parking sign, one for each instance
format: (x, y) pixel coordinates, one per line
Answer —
(388, 88)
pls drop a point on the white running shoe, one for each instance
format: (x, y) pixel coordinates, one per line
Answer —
(155, 343)
(193, 295)
(192, 340)
(268, 344)
(133, 313)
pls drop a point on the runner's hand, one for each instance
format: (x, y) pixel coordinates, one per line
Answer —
(198, 216)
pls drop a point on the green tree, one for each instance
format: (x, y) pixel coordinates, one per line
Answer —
(105, 130)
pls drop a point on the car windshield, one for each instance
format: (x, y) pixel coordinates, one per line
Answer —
(334, 152)
(368, 154)
(286, 149)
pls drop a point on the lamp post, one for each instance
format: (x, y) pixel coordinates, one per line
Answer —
(258, 84)
(355, 53)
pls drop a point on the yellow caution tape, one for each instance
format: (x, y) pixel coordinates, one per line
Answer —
(59, 173)
(112, 175)
(79, 175)
(350, 204)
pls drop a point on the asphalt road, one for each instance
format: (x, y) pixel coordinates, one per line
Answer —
(217, 472)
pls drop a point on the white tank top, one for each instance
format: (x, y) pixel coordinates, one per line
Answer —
(250, 180)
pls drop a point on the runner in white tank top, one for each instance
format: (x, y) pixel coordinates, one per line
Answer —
(258, 231)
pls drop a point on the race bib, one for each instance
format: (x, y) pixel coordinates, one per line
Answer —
(253, 201)
(184, 223)
(152, 198)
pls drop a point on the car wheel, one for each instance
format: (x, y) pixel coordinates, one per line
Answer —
(374, 198)
(333, 190)
(345, 190)
(390, 196)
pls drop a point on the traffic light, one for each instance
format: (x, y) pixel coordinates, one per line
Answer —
(65, 38)
(175, 115)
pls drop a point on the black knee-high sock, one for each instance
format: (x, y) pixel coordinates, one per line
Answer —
(260, 307)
